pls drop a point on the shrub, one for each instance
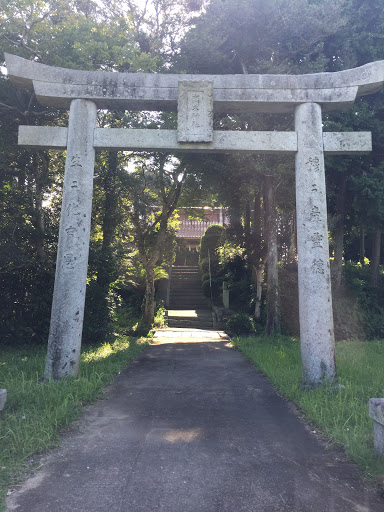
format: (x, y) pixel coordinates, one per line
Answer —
(371, 298)
(240, 323)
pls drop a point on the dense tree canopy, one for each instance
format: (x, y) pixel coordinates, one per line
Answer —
(217, 36)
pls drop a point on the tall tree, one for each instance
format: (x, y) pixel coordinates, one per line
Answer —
(156, 188)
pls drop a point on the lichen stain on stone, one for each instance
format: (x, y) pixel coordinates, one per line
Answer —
(324, 369)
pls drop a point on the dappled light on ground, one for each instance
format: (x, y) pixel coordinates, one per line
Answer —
(183, 436)
(188, 335)
(106, 350)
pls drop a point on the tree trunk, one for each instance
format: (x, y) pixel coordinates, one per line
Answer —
(339, 231)
(259, 288)
(247, 228)
(292, 252)
(41, 170)
(257, 217)
(105, 271)
(273, 324)
(149, 298)
(362, 247)
(258, 253)
(375, 257)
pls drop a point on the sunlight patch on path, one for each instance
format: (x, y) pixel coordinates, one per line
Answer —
(188, 335)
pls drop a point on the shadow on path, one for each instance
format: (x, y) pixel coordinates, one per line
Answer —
(191, 426)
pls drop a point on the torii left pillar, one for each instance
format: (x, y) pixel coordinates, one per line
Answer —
(64, 342)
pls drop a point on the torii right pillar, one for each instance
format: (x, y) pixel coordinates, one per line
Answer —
(315, 295)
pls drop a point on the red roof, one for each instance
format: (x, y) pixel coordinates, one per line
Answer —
(196, 228)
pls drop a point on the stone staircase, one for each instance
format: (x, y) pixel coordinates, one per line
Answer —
(188, 307)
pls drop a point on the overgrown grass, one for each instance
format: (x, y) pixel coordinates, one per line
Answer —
(341, 413)
(35, 412)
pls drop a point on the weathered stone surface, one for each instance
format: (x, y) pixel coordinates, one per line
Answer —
(195, 112)
(3, 398)
(225, 295)
(338, 143)
(232, 93)
(376, 412)
(120, 139)
(165, 98)
(223, 142)
(72, 258)
(315, 297)
(378, 437)
(43, 137)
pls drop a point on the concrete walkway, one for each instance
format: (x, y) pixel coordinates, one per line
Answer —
(190, 426)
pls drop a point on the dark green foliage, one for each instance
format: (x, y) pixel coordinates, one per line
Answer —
(239, 278)
(371, 298)
(210, 241)
(99, 313)
(25, 301)
(248, 36)
(209, 261)
(240, 324)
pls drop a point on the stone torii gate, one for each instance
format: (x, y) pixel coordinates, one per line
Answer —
(195, 97)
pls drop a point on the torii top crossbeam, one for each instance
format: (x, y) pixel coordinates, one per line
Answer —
(57, 87)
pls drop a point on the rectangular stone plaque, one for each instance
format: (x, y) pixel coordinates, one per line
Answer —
(195, 112)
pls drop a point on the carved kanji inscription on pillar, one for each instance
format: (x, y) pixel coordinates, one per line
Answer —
(195, 112)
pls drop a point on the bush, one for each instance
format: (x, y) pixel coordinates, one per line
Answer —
(240, 324)
(25, 302)
(160, 315)
(211, 240)
(371, 298)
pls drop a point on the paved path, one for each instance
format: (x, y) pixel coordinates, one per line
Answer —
(190, 426)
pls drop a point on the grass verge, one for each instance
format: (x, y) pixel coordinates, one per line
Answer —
(341, 414)
(35, 412)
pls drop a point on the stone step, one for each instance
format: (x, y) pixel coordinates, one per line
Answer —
(186, 277)
(189, 322)
(186, 290)
(189, 298)
(190, 326)
(177, 297)
(189, 303)
(204, 319)
(195, 279)
(178, 306)
(190, 313)
(185, 269)
(193, 270)
(187, 293)
(185, 282)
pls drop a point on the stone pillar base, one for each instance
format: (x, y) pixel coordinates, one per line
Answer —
(376, 412)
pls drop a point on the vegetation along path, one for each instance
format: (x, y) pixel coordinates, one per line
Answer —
(191, 426)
